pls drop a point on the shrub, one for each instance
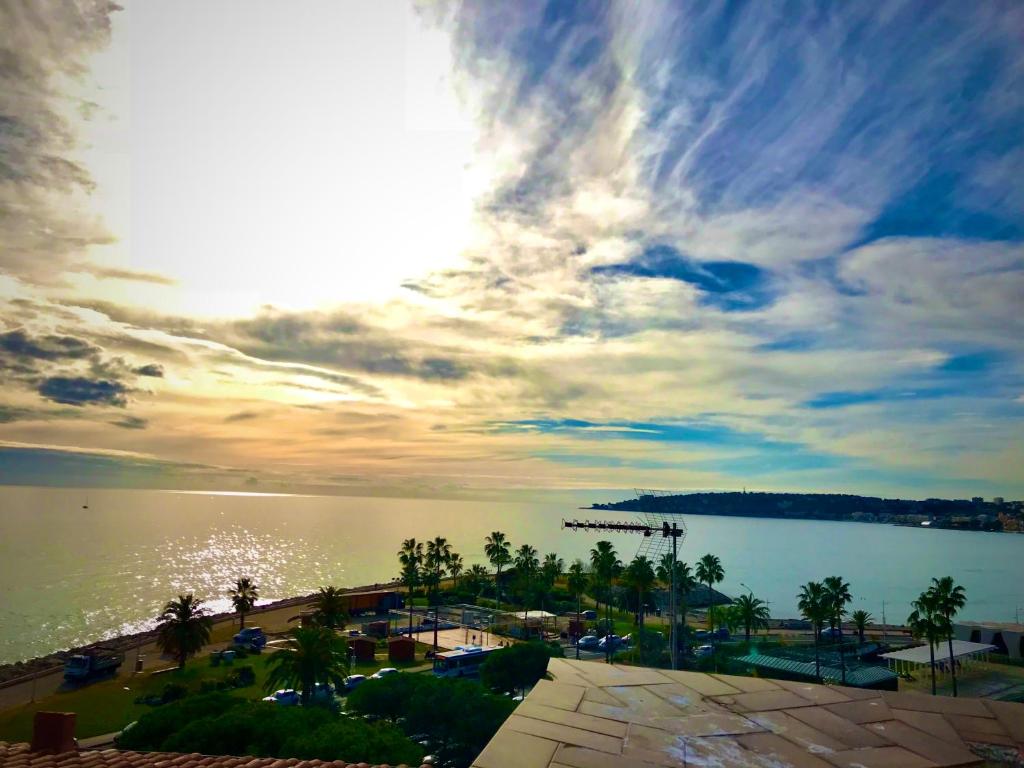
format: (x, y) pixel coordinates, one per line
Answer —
(345, 739)
(173, 692)
(516, 667)
(154, 727)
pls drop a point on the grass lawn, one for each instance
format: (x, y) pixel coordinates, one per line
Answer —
(105, 706)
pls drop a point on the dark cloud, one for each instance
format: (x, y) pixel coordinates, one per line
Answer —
(50, 347)
(78, 390)
(131, 422)
(151, 369)
(242, 416)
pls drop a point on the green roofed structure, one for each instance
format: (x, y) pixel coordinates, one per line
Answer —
(857, 676)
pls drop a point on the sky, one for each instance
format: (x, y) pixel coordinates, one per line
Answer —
(482, 248)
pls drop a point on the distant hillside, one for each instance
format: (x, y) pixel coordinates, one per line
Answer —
(939, 513)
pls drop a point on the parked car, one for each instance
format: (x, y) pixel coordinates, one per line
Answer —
(701, 634)
(588, 641)
(721, 634)
(589, 615)
(609, 641)
(383, 673)
(322, 692)
(703, 650)
(286, 697)
(251, 638)
(830, 633)
(352, 681)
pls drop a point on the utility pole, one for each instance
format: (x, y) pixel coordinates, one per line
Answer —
(885, 637)
(673, 531)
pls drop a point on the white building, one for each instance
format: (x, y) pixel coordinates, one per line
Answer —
(1008, 638)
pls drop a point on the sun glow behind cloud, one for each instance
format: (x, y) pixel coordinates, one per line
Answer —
(524, 244)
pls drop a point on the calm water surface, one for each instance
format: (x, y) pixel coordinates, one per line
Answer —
(70, 575)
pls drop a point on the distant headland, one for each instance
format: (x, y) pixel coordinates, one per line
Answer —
(974, 514)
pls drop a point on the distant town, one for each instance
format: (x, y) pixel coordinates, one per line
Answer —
(976, 514)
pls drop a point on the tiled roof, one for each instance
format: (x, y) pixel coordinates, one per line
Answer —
(594, 715)
(860, 677)
(19, 756)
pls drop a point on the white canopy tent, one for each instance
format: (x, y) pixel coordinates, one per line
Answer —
(911, 658)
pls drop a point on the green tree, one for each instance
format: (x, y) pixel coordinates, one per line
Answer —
(499, 552)
(311, 655)
(476, 579)
(243, 597)
(861, 619)
(838, 595)
(710, 571)
(410, 556)
(330, 608)
(184, 628)
(550, 570)
(814, 606)
(685, 582)
(515, 668)
(751, 614)
(927, 622)
(604, 565)
(527, 567)
(435, 562)
(639, 574)
(577, 584)
(455, 568)
(949, 598)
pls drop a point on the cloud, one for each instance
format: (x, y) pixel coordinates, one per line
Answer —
(109, 273)
(151, 369)
(82, 391)
(41, 177)
(21, 346)
(131, 422)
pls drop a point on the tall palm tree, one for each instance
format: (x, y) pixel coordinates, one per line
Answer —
(949, 598)
(577, 583)
(927, 622)
(311, 655)
(435, 562)
(814, 606)
(243, 597)
(498, 549)
(455, 567)
(527, 567)
(685, 582)
(604, 563)
(751, 613)
(860, 619)
(330, 608)
(710, 571)
(838, 595)
(475, 578)
(640, 576)
(411, 558)
(550, 570)
(184, 628)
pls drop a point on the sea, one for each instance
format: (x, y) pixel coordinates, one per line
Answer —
(71, 575)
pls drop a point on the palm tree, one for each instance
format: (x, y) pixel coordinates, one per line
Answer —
(550, 570)
(411, 558)
(949, 597)
(475, 579)
(312, 655)
(498, 549)
(455, 568)
(184, 628)
(438, 553)
(860, 620)
(685, 582)
(604, 563)
(330, 608)
(710, 572)
(577, 583)
(927, 622)
(527, 567)
(838, 595)
(814, 606)
(640, 575)
(243, 598)
(751, 613)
